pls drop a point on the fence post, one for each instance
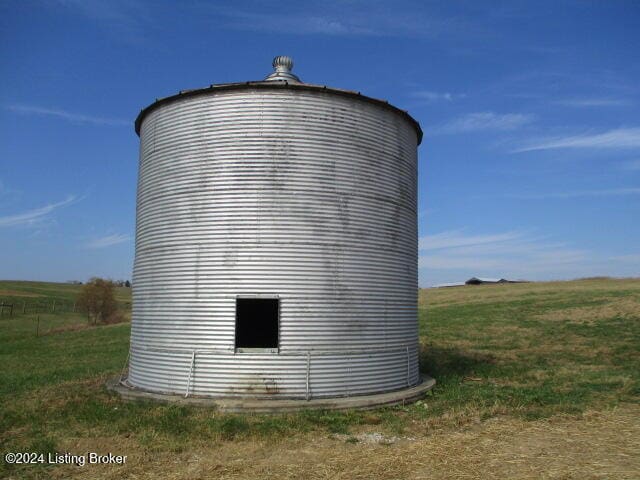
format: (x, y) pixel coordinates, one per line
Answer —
(53, 307)
(38, 326)
(24, 307)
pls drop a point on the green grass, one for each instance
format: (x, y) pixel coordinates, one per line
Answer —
(53, 300)
(527, 350)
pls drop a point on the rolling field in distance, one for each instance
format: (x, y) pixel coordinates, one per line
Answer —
(536, 380)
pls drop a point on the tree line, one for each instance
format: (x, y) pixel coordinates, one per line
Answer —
(117, 283)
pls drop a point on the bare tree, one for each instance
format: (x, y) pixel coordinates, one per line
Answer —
(98, 300)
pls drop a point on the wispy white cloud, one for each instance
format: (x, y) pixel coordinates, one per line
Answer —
(424, 212)
(354, 18)
(610, 192)
(9, 196)
(479, 121)
(108, 240)
(68, 116)
(631, 165)
(112, 10)
(504, 254)
(33, 217)
(124, 19)
(297, 24)
(430, 96)
(456, 238)
(617, 138)
(632, 258)
(593, 88)
(594, 102)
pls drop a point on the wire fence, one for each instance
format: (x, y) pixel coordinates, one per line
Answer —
(11, 308)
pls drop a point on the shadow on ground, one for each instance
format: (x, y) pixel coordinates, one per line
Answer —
(441, 362)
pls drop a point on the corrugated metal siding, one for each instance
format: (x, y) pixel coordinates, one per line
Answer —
(330, 374)
(307, 195)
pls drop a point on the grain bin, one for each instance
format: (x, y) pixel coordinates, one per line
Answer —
(276, 243)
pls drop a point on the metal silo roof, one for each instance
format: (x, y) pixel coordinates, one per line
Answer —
(281, 78)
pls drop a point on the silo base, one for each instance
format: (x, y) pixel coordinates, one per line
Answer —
(271, 405)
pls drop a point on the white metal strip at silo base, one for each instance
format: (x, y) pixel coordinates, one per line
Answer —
(286, 375)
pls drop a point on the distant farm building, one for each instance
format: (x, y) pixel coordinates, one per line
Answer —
(483, 280)
(478, 281)
(446, 285)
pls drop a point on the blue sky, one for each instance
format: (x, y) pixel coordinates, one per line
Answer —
(529, 168)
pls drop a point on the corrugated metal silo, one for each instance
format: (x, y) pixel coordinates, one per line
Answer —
(276, 243)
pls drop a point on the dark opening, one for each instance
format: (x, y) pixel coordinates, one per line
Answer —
(257, 322)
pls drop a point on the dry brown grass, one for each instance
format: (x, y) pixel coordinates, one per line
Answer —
(116, 320)
(595, 445)
(626, 308)
(510, 291)
(67, 328)
(17, 293)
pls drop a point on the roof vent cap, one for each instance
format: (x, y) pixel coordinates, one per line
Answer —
(282, 66)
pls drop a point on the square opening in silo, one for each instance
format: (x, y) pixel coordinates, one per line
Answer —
(257, 323)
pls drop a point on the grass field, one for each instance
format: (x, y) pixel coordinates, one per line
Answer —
(536, 380)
